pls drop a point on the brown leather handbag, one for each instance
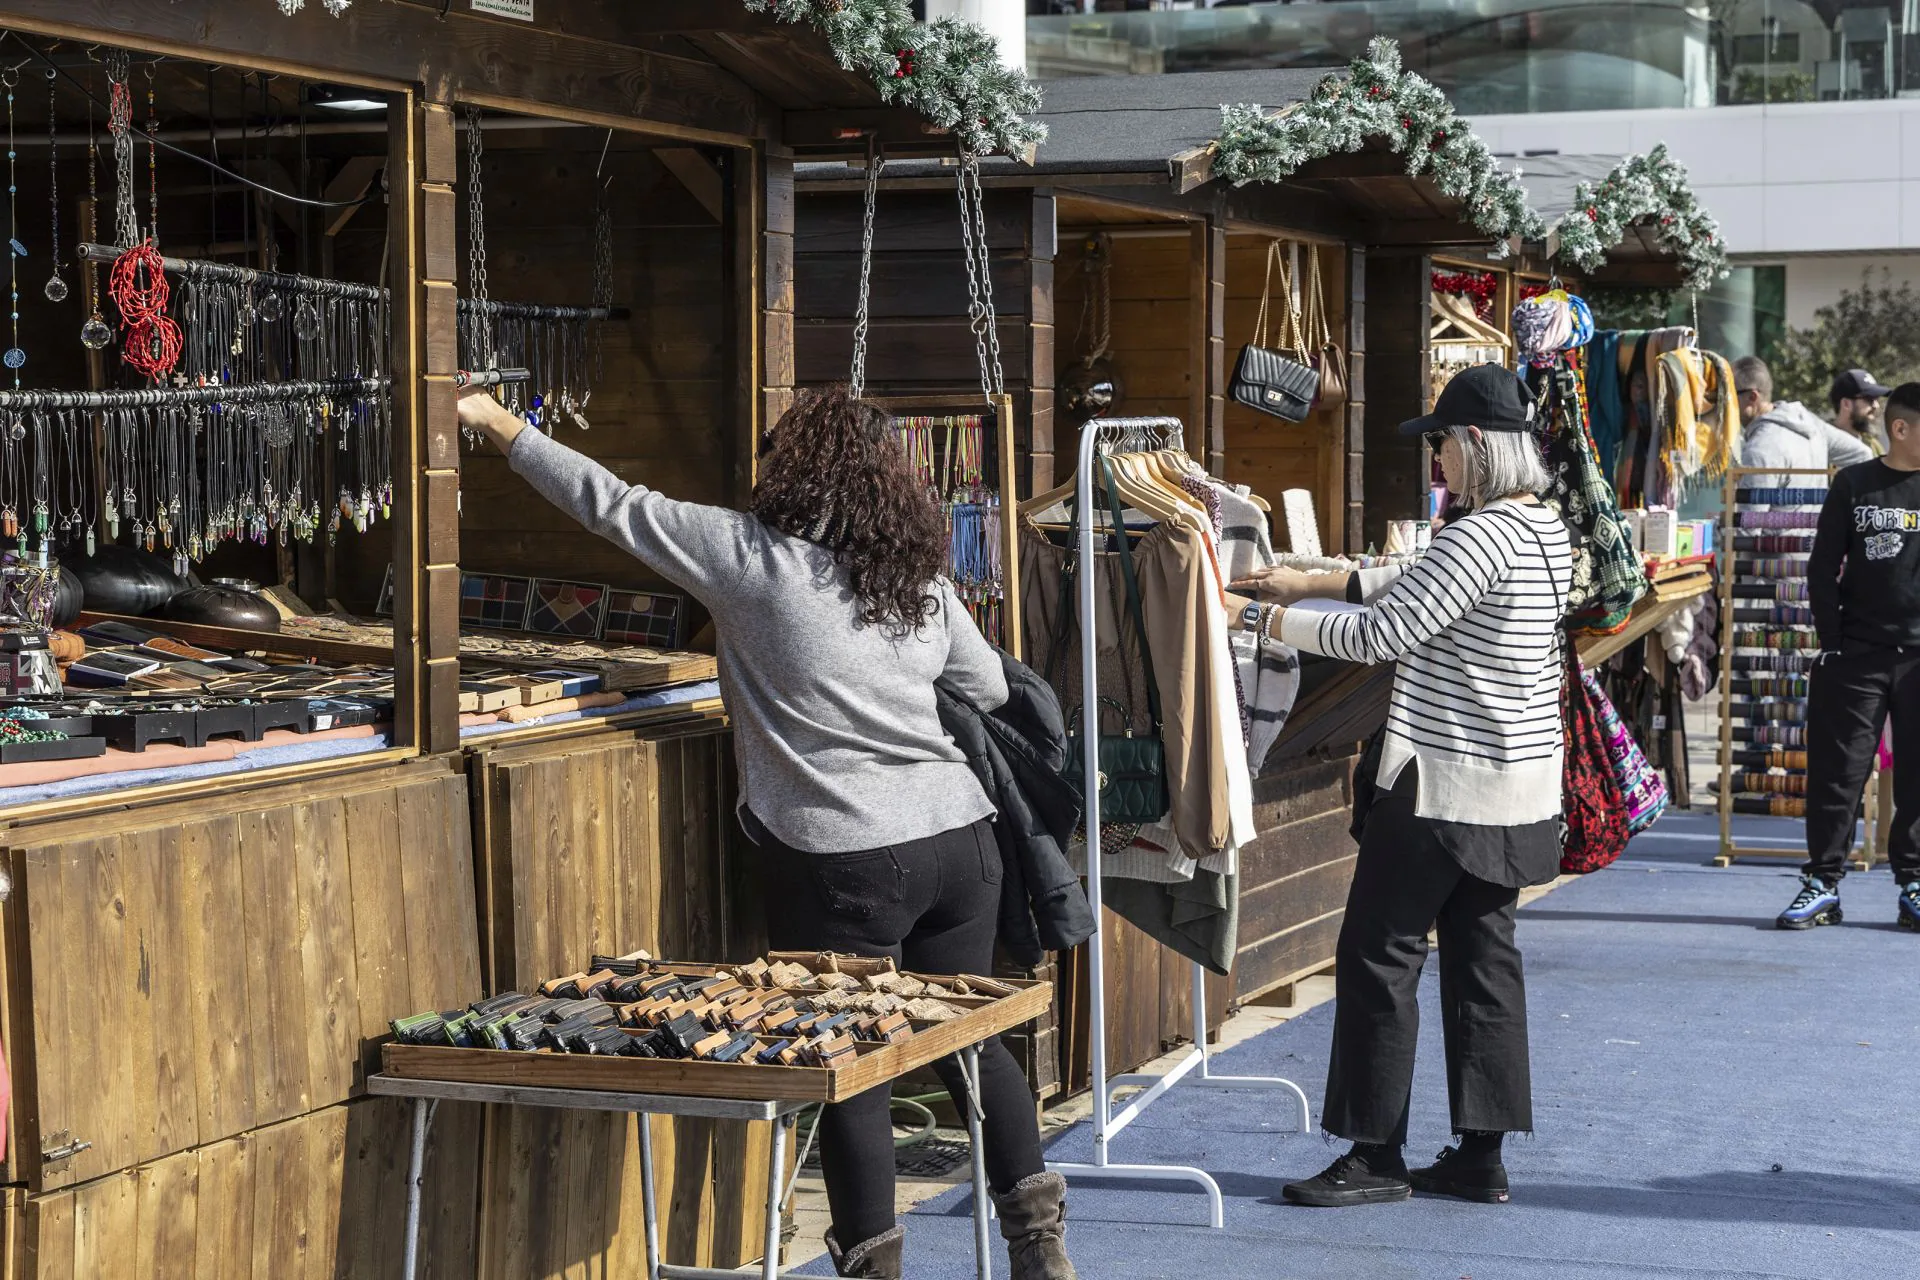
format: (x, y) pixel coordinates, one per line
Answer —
(1326, 355)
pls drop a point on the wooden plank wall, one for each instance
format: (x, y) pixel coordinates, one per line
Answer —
(1399, 295)
(606, 846)
(318, 1197)
(1262, 451)
(208, 968)
(1149, 1002)
(918, 341)
(1152, 353)
(1294, 876)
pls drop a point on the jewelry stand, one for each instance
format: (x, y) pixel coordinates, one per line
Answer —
(1131, 434)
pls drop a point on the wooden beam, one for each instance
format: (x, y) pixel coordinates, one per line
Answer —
(844, 132)
(391, 46)
(1192, 168)
(355, 179)
(615, 24)
(697, 174)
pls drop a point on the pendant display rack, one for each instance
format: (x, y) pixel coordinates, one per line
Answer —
(1767, 649)
(954, 458)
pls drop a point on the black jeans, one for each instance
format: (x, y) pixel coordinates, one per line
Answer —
(1403, 885)
(932, 905)
(1851, 695)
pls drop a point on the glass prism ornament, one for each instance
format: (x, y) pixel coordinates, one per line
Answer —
(306, 321)
(17, 429)
(95, 334)
(271, 307)
(14, 358)
(56, 289)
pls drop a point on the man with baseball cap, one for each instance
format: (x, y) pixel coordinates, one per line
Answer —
(1855, 397)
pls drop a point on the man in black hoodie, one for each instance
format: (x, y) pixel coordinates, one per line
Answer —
(1863, 581)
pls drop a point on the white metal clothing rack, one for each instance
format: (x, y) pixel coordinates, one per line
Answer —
(1124, 435)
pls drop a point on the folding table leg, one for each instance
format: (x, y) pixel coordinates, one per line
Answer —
(982, 1227)
(649, 1217)
(416, 1175)
(776, 1173)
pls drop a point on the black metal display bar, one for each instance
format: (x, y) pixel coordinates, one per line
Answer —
(490, 377)
(227, 271)
(534, 311)
(168, 397)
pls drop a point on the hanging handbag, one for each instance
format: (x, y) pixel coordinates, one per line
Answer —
(1642, 789)
(1591, 805)
(1133, 767)
(1276, 381)
(1328, 356)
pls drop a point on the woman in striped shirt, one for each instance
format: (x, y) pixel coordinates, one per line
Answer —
(1464, 798)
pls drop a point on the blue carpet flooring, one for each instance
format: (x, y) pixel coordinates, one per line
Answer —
(1712, 1098)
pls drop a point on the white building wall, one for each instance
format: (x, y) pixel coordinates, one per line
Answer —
(1813, 282)
(1006, 20)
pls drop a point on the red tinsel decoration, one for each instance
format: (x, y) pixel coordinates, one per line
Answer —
(150, 340)
(1475, 285)
(1531, 291)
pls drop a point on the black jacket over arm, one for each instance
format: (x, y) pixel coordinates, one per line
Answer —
(1017, 752)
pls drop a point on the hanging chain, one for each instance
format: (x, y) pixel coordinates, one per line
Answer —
(980, 313)
(482, 355)
(126, 217)
(857, 380)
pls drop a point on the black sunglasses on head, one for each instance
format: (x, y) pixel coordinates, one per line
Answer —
(1434, 439)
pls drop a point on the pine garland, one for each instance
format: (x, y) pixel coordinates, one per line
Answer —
(1640, 187)
(1378, 99)
(948, 70)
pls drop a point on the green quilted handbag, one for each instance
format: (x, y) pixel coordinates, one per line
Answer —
(1133, 768)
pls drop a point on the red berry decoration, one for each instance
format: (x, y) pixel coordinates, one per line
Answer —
(904, 58)
(1374, 91)
(1593, 214)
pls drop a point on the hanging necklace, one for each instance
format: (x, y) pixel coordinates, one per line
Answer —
(95, 333)
(15, 358)
(56, 288)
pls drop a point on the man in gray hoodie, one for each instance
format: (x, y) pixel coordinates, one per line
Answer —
(1786, 435)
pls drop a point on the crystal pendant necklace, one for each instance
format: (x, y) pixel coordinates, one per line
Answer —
(95, 334)
(56, 288)
(15, 358)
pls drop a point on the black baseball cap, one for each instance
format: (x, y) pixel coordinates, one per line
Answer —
(1856, 384)
(1488, 396)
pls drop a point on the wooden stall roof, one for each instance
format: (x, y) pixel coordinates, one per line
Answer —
(703, 70)
(1550, 179)
(1143, 140)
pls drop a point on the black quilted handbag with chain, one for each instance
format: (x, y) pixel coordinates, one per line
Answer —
(1277, 381)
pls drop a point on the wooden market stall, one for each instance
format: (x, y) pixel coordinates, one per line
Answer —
(1118, 258)
(199, 963)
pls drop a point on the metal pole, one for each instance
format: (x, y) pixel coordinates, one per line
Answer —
(416, 1175)
(982, 1228)
(776, 1169)
(648, 1211)
(1090, 772)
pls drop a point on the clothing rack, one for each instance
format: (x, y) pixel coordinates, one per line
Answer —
(1128, 435)
(169, 397)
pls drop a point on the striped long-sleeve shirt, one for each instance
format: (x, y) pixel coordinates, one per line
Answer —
(1474, 627)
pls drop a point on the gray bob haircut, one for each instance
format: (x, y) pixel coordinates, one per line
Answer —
(1498, 464)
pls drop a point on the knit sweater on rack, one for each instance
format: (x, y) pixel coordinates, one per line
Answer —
(1474, 628)
(835, 723)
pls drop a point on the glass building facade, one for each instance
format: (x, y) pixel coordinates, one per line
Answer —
(1506, 56)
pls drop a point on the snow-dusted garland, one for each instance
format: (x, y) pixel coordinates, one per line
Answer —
(1641, 187)
(948, 70)
(1378, 99)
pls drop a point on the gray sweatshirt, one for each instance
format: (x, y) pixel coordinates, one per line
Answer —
(835, 727)
(1792, 435)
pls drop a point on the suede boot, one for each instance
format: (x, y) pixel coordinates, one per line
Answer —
(1033, 1218)
(875, 1259)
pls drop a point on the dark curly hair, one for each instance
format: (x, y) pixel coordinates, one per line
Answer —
(833, 472)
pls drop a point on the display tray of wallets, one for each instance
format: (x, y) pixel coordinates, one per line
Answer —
(619, 667)
(795, 1025)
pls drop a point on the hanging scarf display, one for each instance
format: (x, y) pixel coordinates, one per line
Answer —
(949, 455)
(1613, 578)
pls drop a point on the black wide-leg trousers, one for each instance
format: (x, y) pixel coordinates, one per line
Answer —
(1405, 884)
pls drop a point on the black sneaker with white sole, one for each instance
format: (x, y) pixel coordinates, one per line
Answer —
(1449, 1175)
(1348, 1181)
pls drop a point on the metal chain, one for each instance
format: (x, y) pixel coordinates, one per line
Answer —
(980, 313)
(120, 125)
(483, 355)
(857, 380)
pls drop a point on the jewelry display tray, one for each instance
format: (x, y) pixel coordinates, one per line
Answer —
(873, 1064)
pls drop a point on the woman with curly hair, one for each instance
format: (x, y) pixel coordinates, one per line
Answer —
(833, 624)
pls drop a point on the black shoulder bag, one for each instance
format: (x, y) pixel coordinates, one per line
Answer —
(1278, 381)
(1133, 769)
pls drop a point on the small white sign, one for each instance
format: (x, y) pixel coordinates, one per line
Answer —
(521, 9)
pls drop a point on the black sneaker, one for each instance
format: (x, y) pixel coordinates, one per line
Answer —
(1817, 903)
(1907, 909)
(1448, 1175)
(1348, 1181)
